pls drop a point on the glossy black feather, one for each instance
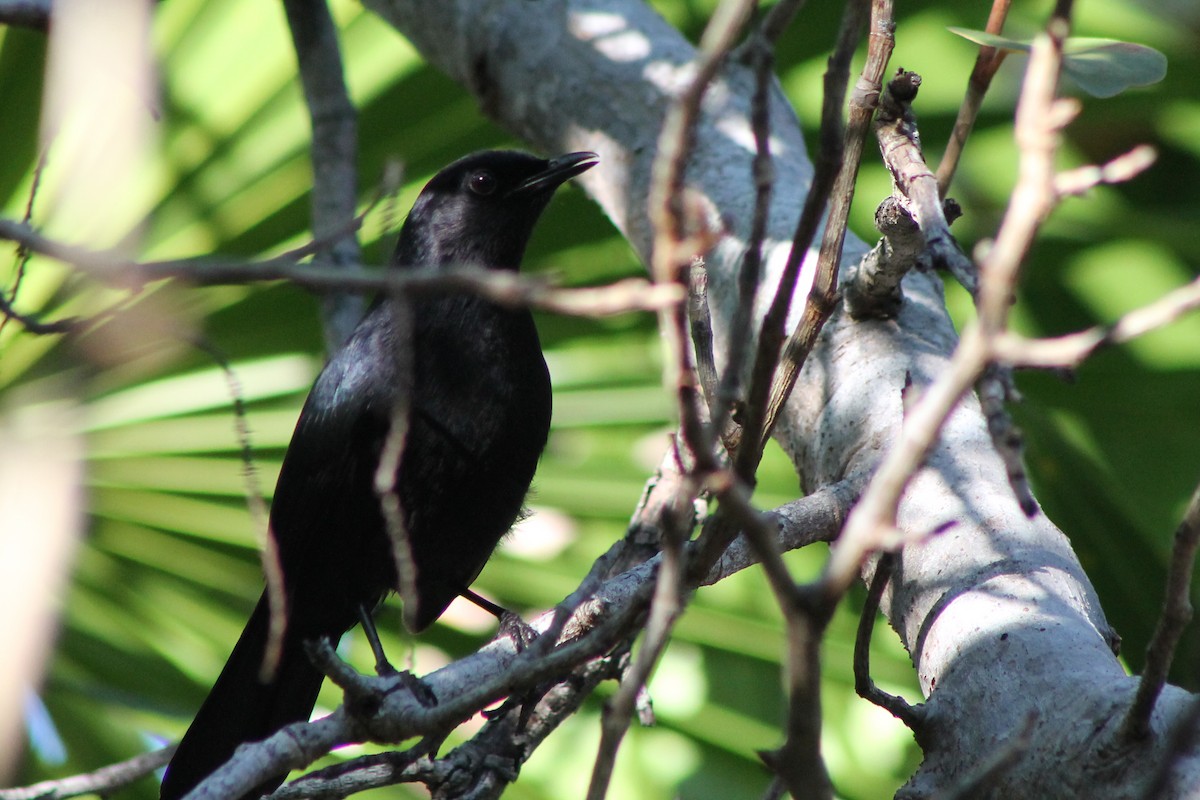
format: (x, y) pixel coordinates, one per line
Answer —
(479, 418)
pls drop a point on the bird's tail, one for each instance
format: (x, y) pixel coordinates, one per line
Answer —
(241, 708)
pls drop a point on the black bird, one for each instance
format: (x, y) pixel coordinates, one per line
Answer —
(479, 415)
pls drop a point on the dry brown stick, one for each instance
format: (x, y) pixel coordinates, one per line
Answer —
(510, 289)
(822, 296)
(900, 708)
(798, 763)
(1175, 616)
(986, 64)
(761, 60)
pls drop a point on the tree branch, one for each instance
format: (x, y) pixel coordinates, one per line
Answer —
(334, 154)
(1176, 614)
(384, 710)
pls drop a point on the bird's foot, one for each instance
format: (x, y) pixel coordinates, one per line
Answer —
(419, 689)
(523, 704)
(521, 632)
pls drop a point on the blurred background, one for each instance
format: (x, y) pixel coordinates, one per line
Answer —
(167, 571)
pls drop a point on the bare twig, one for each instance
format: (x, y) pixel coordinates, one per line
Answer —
(740, 329)
(1072, 349)
(798, 761)
(913, 183)
(1039, 119)
(665, 608)
(477, 681)
(995, 388)
(700, 321)
(334, 152)
(504, 288)
(680, 235)
(259, 514)
(102, 782)
(388, 468)
(986, 64)
(899, 708)
(842, 151)
(1120, 169)
(34, 325)
(1176, 614)
(23, 254)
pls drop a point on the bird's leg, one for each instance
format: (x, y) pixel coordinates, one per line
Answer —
(511, 625)
(383, 667)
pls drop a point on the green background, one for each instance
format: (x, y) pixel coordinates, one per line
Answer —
(168, 570)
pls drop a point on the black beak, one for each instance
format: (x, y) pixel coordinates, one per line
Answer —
(557, 172)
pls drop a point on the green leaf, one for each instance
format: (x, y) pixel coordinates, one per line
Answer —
(1101, 67)
(1105, 67)
(991, 40)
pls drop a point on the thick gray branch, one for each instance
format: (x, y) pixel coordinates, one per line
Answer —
(997, 613)
(334, 153)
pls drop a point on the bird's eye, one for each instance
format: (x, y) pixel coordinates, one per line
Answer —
(482, 182)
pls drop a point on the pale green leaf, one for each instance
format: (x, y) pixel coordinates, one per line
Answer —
(1101, 67)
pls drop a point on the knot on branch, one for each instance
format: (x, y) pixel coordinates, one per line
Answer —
(873, 290)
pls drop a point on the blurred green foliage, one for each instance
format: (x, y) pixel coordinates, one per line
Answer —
(169, 571)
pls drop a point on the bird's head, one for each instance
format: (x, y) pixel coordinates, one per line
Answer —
(482, 208)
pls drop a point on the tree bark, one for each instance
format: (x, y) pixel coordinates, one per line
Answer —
(1001, 622)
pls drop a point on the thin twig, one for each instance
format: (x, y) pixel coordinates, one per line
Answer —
(729, 394)
(23, 252)
(259, 515)
(680, 235)
(1039, 119)
(103, 781)
(34, 325)
(986, 64)
(841, 151)
(1176, 614)
(798, 761)
(1073, 348)
(504, 288)
(700, 321)
(387, 470)
(466, 686)
(912, 181)
(665, 608)
(899, 708)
